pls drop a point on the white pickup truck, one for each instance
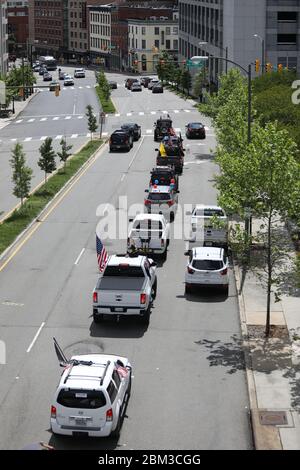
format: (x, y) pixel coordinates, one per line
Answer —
(149, 233)
(127, 287)
(209, 227)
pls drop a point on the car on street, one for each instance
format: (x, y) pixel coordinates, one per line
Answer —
(61, 75)
(47, 77)
(129, 82)
(164, 176)
(53, 85)
(161, 200)
(209, 226)
(158, 88)
(153, 81)
(68, 80)
(127, 287)
(145, 81)
(92, 395)
(120, 140)
(133, 128)
(195, 130)
(149, 234)
(79, 73)
(42, 70)
(136, 86)
(207, 267)
(113, 85)
(35, 67)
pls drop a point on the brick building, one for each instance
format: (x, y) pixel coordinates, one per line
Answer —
(17, 18)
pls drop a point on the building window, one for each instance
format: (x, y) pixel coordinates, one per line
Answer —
(287, 17)
(156, 31)
(175, 30)
(175, 44)
(143, 30)
(144, 62)
(156, 43)
(168, 31)
(143, 44)
(287, 39)
(168, 44)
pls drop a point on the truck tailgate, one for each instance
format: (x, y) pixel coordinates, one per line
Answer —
(118, 291)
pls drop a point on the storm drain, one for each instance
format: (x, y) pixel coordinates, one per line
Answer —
(274, 418)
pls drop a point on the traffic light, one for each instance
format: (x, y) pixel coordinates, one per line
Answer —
(280, 67)
(57, 89)
(257, 65)
(269, 67)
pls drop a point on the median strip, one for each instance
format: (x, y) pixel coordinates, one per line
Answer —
(21, 218)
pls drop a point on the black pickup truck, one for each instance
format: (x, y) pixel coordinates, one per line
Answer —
(173, 155)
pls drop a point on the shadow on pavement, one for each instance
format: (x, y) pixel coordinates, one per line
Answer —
(130, 327)
(88, 443)
(204, 296)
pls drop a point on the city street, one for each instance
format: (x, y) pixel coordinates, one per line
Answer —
(189, 386)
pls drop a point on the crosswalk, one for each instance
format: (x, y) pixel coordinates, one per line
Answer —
(67, 88)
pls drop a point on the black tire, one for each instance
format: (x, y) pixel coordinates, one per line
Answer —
(168, 242)
(172, 216)
(154, 290)
(128, 148)
(98, 318)
(164, 255)
(225, 290)
(188, 289)
(146, 317)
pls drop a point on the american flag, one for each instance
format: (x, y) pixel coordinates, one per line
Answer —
(101, 254)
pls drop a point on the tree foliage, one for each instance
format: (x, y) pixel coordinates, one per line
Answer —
(46, 161)
(21, 173)
(65, 153)
(92, 120)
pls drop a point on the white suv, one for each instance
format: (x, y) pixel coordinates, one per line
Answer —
(207, 267)
(79, 73)
(92, 396)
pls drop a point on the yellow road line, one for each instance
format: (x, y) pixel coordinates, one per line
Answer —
(63, 195)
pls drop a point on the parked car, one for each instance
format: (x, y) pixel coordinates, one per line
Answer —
(161, 200)
(136, 86)
(47, 77)
(153, 81)
(79, 73)
(207, 267)
(68, 80)
(158, 88)
(209, 226)
(53, 85)
(120, 140)
(127, 287)
(133, 128)
(113, 85)
(92, 395)
(195, 129)
(149, 234)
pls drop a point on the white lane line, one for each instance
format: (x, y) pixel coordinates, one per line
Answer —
(104, 134)
(165, 112)
(68, 117)
(58, 137)
(136, 153)
(153, 112)
(43, 119)
(187, 111)
(74, 136)
(177, 129)
(18, 121)
(149, 131)
(123, 176)
(74, 107)
(36, 337)
(88, 86)
(13, 140)
(44, 137)
(31, 120)
(79, 117)
(117, 115)
(80, 87)
(27, 139)
(128, 114)
(56, 118)
(141, 113)
(79, 256)
(176, 111)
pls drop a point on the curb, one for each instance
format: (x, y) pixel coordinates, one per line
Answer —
(11, 119)
(64, 187)
(265, 437)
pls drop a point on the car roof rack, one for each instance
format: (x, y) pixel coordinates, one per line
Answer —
(104, 373)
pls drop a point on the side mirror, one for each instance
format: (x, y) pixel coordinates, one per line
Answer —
(187, 253)
(131, 219)
(146, 190)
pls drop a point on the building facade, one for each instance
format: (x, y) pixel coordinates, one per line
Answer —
(3, 37)
(220, 27)
(100, 44)
(17, 18)
(147, 39)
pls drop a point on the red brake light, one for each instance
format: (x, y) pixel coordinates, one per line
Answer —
(170, 203)
(162, 242)
(95, 297)
(143, 298)
(223, 272)
(53, 412)
(109, 415)
(190, 270)
(147, 202)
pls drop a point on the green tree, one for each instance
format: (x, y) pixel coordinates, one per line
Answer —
(65, 153)
(46, 161)
(92, 120)
(21, 173)
(199, 82)
(186, 80)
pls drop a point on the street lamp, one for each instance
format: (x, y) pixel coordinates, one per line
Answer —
(263, 53)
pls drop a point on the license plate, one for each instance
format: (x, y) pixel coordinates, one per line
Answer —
(118, 310)
(80, 421)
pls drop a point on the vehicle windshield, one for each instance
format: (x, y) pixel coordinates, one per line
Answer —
(164, 123)
(207, 265)
(81, 398)
(196, 125)
(208, 213)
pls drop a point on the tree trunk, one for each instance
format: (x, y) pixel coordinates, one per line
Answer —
(269, 285)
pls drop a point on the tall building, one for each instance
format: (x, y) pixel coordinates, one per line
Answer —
(220, 27)
(17, 18)
(3, 37)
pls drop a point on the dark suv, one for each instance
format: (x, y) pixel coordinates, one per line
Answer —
(120, 140)
(134, 129)
(162, 127)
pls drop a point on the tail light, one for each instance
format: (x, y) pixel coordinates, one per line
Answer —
(143, 298)
(147, 202)
(190, 270)
(170, 203)
(53, 411)
(95, 297)
(162, 242)
(109, 415)
(223, 272)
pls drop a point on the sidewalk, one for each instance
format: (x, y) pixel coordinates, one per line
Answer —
(273, 365)
(19, 107)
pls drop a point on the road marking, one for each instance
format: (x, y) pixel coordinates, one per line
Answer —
(106, 115)
(36, 337)
(80, 87)
(88, 134)
(149, 131)
(136, 153)
(210, 135)
(68, 117)
(12, 304)
(27, 139)
(177, 129)
(74, 136)
(123, 176)
(165, 112)
(153, 112)
(58, 137)
(79, 117)
(18, 121)
(56, 118)
(31, 120)
(187, 111)
(43, 119)
(74, 107)
(88, 86)
(79, 256)
(176, 111)
(128, 114)
(13, 140)
(44, 137)
(141, 113)
(117, 115)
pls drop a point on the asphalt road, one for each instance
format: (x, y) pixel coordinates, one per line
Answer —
(189, 389)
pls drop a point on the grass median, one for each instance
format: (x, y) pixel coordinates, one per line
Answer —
(107, 105)
(22, 217)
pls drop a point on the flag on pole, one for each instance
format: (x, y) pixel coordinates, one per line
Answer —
(101, 254)
(162, 150)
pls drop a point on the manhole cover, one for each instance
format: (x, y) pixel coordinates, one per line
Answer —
(274, 418)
